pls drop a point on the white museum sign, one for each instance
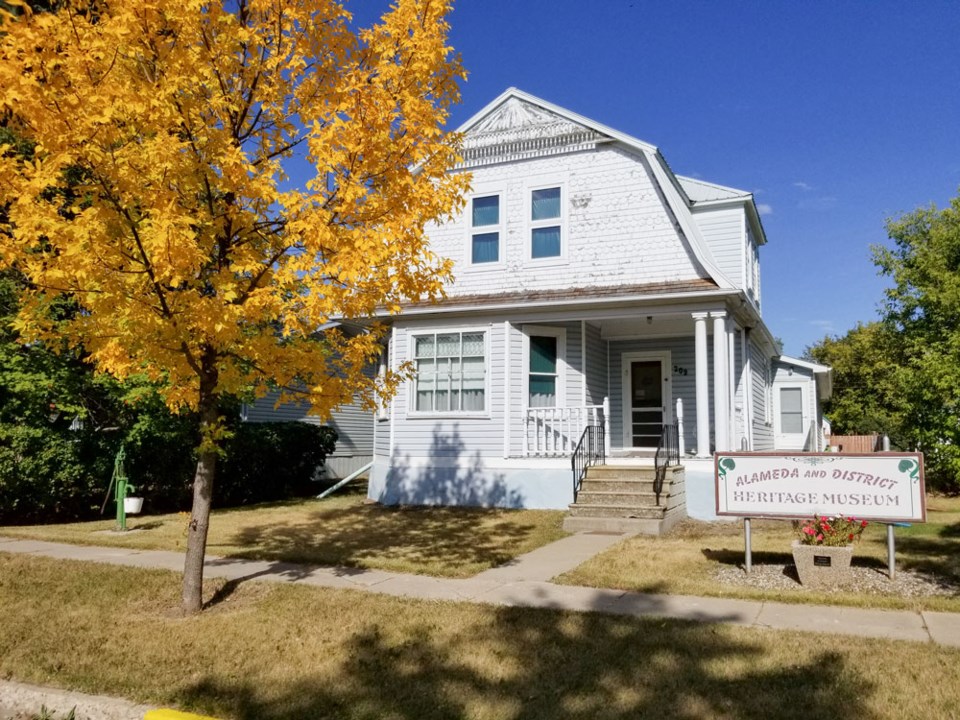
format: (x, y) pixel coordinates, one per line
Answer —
(875, 486)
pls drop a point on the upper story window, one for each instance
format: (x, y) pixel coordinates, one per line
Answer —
(546, 223)
(451, 372)
(485, 229)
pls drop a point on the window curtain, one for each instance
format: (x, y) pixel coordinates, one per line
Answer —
(451, 372)
(546, 242)
(486, 211)
(545, 204)
(486, 248)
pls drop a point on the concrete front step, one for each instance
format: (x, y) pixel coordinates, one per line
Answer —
(633, 526)
(620, 472)
(613, 510)
(626, 486)
(616, 497)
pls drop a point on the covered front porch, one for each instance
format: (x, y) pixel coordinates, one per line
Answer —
(634, 374)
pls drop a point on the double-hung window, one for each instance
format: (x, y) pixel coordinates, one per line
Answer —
(544, 349)
(791, 410)
(543, 370)
(546, 223)
(485, 229)
(451, 372)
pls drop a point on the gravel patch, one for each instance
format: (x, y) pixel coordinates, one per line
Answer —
(864, 580)
(20, 701)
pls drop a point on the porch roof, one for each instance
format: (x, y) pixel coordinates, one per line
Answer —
(533, 297)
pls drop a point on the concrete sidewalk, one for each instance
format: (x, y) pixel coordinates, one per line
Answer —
(524, 582)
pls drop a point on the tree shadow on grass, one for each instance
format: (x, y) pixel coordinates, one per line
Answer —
(435, 539)
(937, 557)
(422, 537)
(544, 664)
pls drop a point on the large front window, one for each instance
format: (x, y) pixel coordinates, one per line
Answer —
(451, 372)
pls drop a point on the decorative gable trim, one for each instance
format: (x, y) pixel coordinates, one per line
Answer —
(518, 130)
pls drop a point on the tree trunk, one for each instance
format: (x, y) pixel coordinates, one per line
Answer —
(202, 494)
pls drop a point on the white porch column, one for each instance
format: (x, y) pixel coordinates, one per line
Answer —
(721, 379)
(702, 384)
(733, 441)
(747, 384)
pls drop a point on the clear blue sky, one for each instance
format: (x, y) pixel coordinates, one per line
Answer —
(836, 115)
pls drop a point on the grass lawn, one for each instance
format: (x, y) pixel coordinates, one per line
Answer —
(686, 561)
(338, 530)
(289, 653)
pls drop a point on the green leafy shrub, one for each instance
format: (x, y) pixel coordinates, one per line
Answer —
(271, 461)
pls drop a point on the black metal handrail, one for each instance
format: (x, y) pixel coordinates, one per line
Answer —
(668, 453)
(589, 451)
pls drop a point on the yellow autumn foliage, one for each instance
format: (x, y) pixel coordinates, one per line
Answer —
(191, 253)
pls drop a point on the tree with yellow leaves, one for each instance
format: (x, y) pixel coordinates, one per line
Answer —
(190, 255)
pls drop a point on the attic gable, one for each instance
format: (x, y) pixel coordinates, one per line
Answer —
(516, 129)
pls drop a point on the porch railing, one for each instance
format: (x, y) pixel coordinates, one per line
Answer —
(554, 432)
(668, 453)
(591, 450)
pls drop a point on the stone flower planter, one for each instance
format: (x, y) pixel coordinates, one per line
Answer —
(822, 567)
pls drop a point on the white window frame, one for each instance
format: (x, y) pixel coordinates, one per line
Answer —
(531, 224)
(778, 409)
(412, 336)
(383, 403)
(472, 230)
(546, 331)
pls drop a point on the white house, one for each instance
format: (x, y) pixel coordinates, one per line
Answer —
(593, 288)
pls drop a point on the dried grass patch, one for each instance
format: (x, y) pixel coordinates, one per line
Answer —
(288, 653)
(339, 530)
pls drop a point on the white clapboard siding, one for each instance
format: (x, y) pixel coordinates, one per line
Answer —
(762, 398)
(617, 229)
(353, 424)
(723, 231)
(596, 367)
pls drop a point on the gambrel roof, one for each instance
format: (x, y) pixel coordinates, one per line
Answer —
(517, 126)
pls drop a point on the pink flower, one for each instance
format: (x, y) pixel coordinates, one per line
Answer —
(808, 530)
(819, 538)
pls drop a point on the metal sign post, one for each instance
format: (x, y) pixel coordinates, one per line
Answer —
(748, 549)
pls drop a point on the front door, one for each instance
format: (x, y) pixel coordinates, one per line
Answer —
(646, 400)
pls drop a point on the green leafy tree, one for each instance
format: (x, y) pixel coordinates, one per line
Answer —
(866, 398)
(922, 312)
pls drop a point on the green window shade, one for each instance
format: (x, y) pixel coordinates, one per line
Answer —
(545, 204)
(543, 354)
(486, 210)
